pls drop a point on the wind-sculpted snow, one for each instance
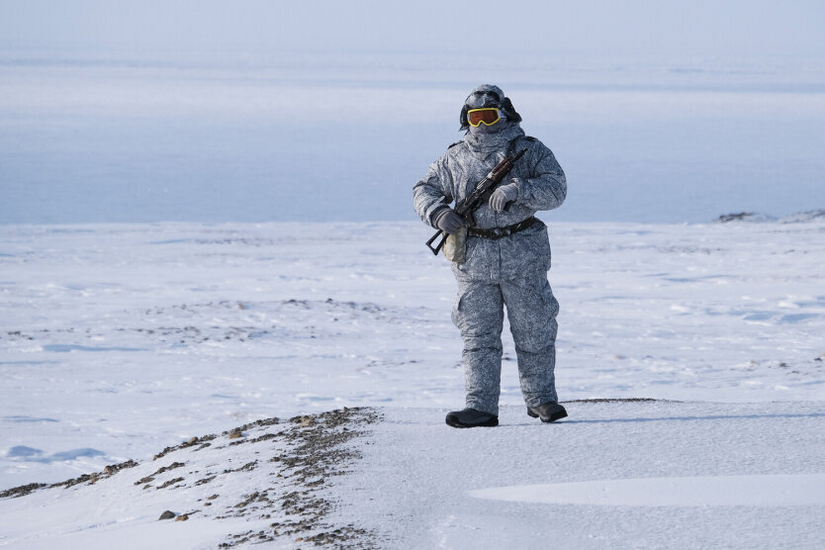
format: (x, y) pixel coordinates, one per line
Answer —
(220, 322)
(775, 490)
(615, 474)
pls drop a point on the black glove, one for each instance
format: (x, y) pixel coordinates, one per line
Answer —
(448, 221)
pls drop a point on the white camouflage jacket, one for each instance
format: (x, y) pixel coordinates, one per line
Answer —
(541, 186)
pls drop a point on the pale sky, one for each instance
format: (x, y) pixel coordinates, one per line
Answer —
(716, 27)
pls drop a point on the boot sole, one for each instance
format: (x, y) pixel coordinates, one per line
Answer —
(492, 423)
(553, 417)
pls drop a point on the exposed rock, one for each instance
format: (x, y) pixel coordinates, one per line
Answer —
(194, 441)
(170, 483)
(744, 217)
(168, 514)
(172, 466)
(22, 490)
(800, 217)
(144, 480)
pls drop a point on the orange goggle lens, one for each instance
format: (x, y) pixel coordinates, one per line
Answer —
(487, 115)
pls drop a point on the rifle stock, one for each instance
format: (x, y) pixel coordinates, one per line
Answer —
(437, 247)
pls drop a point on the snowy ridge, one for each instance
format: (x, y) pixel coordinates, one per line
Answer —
(263, 482)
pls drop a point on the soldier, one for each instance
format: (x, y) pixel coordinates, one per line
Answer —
(505, 258)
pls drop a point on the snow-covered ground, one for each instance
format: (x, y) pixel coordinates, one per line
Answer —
(615, 475)
(117, 341)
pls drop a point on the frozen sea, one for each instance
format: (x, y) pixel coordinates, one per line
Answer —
(108, 137)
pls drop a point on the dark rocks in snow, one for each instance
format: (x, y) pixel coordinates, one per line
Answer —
(800, 217)
(22, 490)
(306, 421)
(171, 483)
(172, 466)
(316, 453)
(808, 216)
(306, 453)
(203, 441)
(265, 423)
(744, 217)
(108, 471)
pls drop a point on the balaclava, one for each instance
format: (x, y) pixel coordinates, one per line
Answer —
(483, 139)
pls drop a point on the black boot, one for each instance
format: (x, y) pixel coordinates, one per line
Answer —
(548, 412)
(471, 418)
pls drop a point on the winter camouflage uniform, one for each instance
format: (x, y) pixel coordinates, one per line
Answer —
(510, 271)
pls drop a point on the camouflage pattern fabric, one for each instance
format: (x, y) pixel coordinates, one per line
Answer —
(510, 272)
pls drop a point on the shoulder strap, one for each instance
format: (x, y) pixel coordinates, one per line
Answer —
(511, 149)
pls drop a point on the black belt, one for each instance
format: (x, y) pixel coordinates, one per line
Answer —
(499, 232)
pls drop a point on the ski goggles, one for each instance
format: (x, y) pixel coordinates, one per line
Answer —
(487, 116)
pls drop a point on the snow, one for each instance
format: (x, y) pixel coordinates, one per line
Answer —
(118, 340)
(754, 490)
(429, 485)
(184, 327)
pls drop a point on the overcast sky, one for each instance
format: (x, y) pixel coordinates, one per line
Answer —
(717, 27)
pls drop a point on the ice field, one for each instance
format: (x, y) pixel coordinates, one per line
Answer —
(324, 137)
(120, 340)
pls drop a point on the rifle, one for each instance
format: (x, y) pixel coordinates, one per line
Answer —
(480, 194)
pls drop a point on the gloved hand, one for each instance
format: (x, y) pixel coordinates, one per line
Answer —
(448, 221)
(503, 195)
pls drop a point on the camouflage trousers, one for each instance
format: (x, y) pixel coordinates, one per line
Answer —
(531, 311)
